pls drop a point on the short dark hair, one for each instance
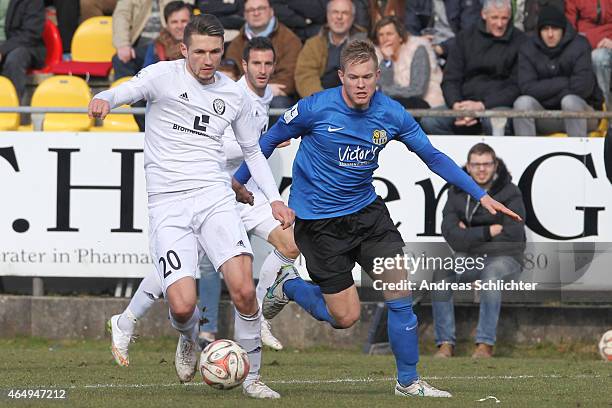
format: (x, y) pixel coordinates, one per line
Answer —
(358, 51)
(259, 44)
(482, 148)
(175, 6)
(203, 24)
(396, 22)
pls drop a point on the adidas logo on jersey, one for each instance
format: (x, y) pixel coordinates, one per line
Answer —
(184, 96)
(240, 244)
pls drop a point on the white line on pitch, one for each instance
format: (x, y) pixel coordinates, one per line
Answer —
(345, 380)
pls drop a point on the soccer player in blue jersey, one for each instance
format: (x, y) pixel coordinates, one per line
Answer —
(339, 218)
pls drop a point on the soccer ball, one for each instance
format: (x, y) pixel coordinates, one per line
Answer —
(605, 346)
(224, 364)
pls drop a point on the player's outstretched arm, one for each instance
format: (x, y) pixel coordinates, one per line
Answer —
(141, 86)
(494, 206)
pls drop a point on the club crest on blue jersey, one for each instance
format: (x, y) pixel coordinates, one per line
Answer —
(219, 106)
(379, 137)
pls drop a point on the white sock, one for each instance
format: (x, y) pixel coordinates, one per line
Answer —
(148, 291)
(247, 333)
(268, 272)
(191, 327)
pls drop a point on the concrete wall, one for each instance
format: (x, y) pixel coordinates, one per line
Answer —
(85, 317)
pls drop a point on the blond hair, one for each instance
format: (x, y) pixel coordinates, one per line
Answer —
(357, 52)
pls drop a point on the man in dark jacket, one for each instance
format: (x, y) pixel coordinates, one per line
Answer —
(480, 72)
(21, 44)
(304, 18)
(471, 231)
(555, 72)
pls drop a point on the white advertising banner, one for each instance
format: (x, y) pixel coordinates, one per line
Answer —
(75, 204)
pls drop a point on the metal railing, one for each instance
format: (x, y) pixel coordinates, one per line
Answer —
(494, 113)
(498, 122)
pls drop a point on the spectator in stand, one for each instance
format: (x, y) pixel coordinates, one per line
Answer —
(21, 44)
(440, 20)
(304, 18)
(136, 24)
(481, 71)
(409, 71)
(593, 18)
(167, 47)
(261, 22)
(472, 232)
(555, 72)
(229, 12)
(526, 19)
(319, 61)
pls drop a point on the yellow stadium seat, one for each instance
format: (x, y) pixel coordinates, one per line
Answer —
(63, 91)
(93, 40)
(601, 131)
(8, 98)
(118, 122)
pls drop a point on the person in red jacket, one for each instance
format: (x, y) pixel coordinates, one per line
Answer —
(593, 19)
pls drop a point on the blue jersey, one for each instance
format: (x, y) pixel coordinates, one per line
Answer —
(338, 153)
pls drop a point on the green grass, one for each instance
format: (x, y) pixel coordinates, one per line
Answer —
(572, 377)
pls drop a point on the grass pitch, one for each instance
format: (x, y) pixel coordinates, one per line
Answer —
(544, 377)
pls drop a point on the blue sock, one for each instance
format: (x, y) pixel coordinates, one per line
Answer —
(309, 297)
(402, 328)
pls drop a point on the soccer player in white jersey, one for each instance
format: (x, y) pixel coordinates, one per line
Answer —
(258, 64)
(192, 206)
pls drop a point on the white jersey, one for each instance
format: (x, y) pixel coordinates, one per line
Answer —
(185, 122)
(261, 110)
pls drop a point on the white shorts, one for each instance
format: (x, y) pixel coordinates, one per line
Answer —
(257, 219)
(183, 226)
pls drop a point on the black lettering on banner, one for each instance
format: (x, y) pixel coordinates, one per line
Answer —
(125, 187)
(173, 261)
(9, 154)
(431, 207)
(284, 184)
(198, 122)
(392, 193)
(590, 214)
